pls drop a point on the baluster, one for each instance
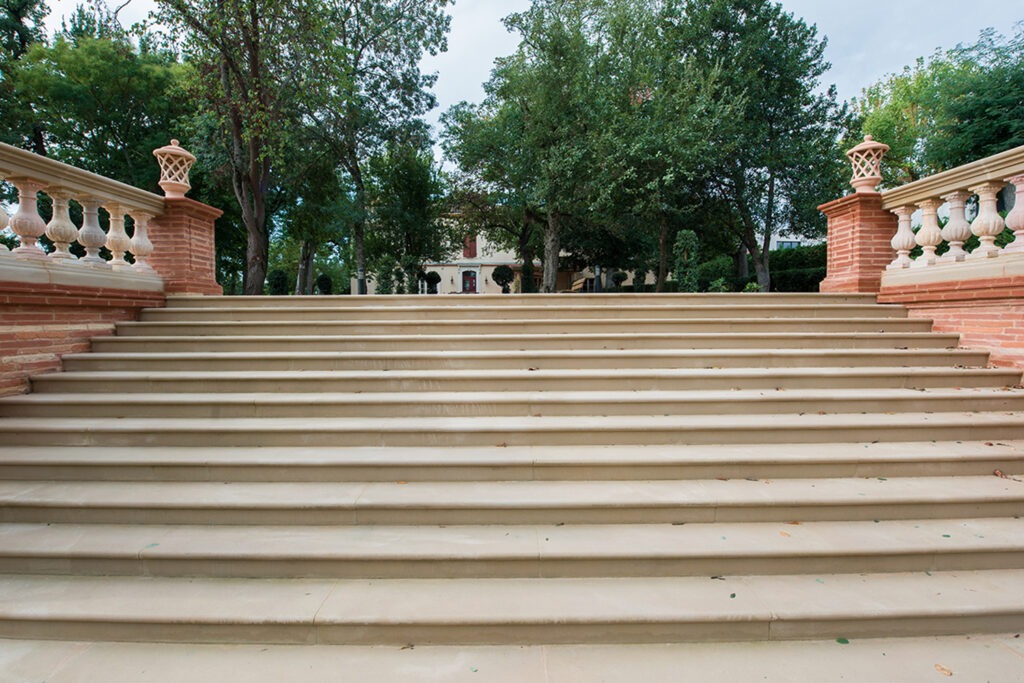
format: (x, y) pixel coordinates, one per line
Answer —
(60, 229)
(27, 224)
(904, 241)
(1015, 219)
(4, 221)
(117, 239)
(989, 224)
(929, 236)
(141, 247)
(957, 230)
(91, 236)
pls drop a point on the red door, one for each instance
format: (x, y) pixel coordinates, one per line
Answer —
(469, 282)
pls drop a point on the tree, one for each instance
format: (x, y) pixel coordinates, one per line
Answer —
(955, 107)
(370, 86)
(503, 276)
(550, 79)
(494, 187)
(254, 60)
(774, 61)
(21, 26)
(404, 211)
(103, 104)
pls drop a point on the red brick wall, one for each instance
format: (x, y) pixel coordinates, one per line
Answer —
(987, 314)
(859, 237)
(183, 247)
(39, 323)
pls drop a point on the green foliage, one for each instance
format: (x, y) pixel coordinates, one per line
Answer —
(619, 277)
(718, 268)
(752, 288)
(503, 276)
(720, 285)
(686, 252)
(405, 199)
(104, 104)
(957, 106)
(433, 279)
(21, 27)
(278, 283)
(325, 284)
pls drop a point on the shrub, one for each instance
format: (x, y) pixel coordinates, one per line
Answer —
(324, 284)
(277, 283)
(685, 251)
(433, 280)
(503, 276)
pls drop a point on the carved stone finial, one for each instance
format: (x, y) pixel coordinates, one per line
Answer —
(175, 163)
(866, 159)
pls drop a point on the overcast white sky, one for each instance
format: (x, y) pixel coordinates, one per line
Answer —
(867, 38)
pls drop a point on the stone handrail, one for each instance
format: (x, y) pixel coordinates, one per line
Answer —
(984, 179)
(32, 174)
(18, 163)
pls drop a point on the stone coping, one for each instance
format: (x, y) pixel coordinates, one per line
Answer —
(1004, 266)
(73, 274)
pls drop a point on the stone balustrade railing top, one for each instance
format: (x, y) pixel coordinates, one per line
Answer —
(31, 174)
(949, 194)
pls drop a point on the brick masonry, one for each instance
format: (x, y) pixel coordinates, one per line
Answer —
(40, 323)
(183, 247)
(987, 314)
(859, 235)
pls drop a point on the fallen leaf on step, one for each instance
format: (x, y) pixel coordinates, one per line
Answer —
(785, 534)
(943, 670)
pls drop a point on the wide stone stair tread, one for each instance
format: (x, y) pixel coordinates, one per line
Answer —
(508, 403)
(518, 502)
(513, 551)
(981, 657)
(522, 341)
(515, 359)
(178, 301)
(565, 463)
(525, 611)
(488, 380)
(568, 313)
(484, 327)
(512, 431)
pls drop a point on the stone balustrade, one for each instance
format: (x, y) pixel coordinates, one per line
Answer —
(54, 301)
(976, 185)
(978, 293)
(32, 174)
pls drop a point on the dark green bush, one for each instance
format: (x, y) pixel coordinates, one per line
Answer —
(324, 284)
(277, 283)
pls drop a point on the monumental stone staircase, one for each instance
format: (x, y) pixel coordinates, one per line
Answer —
(600, 469)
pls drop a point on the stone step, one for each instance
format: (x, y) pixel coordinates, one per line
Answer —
(564, 312)
(638, 380)
(481, 328)
(507, 403)
(566, 463)
(520, 360)
(400, 612)
(313, 343)
(500, 551)
(578, 300)
(513, 431)
(979, 657)
(510, 503)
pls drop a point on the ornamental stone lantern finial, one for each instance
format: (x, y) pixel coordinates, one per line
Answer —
(175, 164)
(866, 159)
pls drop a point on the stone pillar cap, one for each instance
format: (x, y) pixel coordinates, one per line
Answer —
(175, 163)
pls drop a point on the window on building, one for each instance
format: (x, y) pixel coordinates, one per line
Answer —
(469, 248)
(789, 245)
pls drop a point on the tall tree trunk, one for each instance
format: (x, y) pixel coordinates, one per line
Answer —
(530, 222)
(552, 251)
(359, 225)
(304, 279)
(663, 252)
